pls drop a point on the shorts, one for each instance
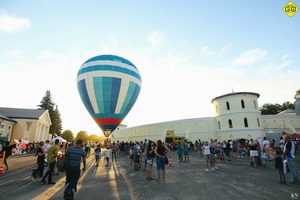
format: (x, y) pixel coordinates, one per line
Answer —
(150, 161)
(97, 157)
(253, 153)
(137, 158)
(160, 163)
(207, 155)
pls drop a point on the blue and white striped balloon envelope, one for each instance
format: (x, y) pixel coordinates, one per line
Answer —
(108, 86)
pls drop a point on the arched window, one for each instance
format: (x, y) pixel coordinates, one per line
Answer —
(258, 124)
(228, 106)
(243, 103)
(219, 124)
(230, 123)
(254, 104)
(245, 122)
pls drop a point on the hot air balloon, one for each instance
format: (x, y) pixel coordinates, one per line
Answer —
(108, 86)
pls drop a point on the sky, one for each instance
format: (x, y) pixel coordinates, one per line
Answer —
(187, 52)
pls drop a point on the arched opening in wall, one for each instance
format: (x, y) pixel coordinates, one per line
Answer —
(258, 123)
(227, 105)
(254, 102)
(230, 123)
(245, 122)
(242, 103)
(219, 124)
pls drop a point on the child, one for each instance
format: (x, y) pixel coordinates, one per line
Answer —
(107, 155)
(131, 157)
(264, 158)
(279, 166)
(97, 155)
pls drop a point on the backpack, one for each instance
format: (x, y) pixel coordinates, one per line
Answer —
(61, 164)
(134, 150)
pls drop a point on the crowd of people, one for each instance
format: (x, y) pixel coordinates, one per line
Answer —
(146, 154)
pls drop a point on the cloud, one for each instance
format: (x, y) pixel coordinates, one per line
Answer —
(250, 57)
(12, 24)
(155, 38)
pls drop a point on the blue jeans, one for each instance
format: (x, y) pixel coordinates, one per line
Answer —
(293, 168)
(160, 163)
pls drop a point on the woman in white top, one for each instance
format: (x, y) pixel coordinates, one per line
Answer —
(206, 152)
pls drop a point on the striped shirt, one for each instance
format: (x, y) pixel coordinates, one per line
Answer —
(74, 156)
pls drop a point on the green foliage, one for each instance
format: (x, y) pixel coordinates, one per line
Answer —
(68, 135)
(96, 138)
(273, 109)
(56, 122)
(82, 135)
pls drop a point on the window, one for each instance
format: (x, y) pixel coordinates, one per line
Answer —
(230, 123)
(245, 122)
(228, 106)
(254, 104)
(219, 124)
(258, 124)
(243, 103)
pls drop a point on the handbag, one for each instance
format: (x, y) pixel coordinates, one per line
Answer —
(166, 160)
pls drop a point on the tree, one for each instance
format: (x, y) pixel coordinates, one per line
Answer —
(288, 105)
(270, 109)
(297, 93)
(47, 104)
(82, 135)
(68, 135)
(96, 138)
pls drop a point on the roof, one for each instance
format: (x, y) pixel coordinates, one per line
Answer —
(2, 117)
(235, 93)
(21, 113)
(287, 112)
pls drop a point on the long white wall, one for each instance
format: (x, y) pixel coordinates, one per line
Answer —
(236, 115)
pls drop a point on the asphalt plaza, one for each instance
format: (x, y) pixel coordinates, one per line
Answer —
(235, 179)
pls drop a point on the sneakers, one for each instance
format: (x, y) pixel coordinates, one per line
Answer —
(206, 170)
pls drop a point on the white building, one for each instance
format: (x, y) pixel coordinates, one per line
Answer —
(236, 115)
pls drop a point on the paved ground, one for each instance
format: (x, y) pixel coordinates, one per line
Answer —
(234, 179)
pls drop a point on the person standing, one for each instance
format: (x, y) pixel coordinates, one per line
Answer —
(289, 155)
(97, 154)
(114, 151)
(179, 152)
(160, 152)
(52, 154)
(279, 166)
(46, 149)
(149, 159)
(74, 156)
(266, 146)
(40, 161)
(206, 153)
(8, 151)
(186, 151)
(107, 155)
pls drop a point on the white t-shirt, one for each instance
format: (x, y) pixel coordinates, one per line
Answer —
(266, 143)
(206, 150)
(107, 153)
(46, 148)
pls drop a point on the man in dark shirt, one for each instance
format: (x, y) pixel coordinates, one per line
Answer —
(74, 156)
